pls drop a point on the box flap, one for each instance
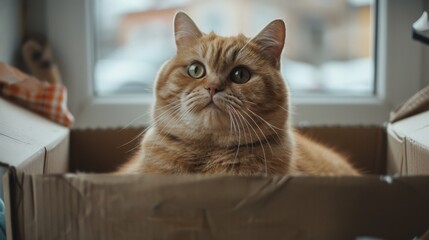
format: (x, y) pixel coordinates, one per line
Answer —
(411, 124)
(416, 104)
(222, 207)
(25, 137)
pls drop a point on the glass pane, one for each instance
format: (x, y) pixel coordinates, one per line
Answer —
(328, 46)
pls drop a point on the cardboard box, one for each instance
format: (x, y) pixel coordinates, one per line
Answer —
(97, 205)
(409, 149)
(32, 145)
(408, 137)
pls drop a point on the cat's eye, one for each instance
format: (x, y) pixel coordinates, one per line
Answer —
(196, 70)
(240, 75)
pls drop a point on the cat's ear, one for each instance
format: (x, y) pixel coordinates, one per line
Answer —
(271, 39)
(185, 30)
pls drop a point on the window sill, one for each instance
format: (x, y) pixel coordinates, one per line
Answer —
(136, 112)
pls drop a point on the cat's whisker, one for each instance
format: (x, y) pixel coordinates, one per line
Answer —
(247, 125)
(133, 139)
(239, 140)
(167, 109)
(193, 100)
(145, 114)
(150, 125)
(181, 117)
(274, 128)
(135, 119)
(286, 110)
(246, 101)
(177, 110)
(262, 132)
(231, 132)
(133, 148)
(260, 141)
(230, 128)
(268, 124)
(232, 103)
(268, 143)
(158, 119)
(244, 46)
(163, 115)
(237, 102)
(190, 99)
(239, 116)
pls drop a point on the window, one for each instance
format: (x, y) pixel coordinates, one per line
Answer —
(328, 48)
(71, 29)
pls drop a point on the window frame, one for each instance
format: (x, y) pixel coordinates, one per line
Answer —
(70, 31)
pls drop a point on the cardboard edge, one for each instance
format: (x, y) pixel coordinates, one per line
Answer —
(392, 161)
(393, 133)
(57, 150)
(14, 203)
(7, 203)
(380, 163)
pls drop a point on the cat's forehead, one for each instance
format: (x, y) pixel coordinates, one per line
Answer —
(214, 42)
(220, 52)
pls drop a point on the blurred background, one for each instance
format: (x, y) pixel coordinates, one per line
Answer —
(329, 46)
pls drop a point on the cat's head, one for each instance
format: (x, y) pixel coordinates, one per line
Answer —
(216, 85)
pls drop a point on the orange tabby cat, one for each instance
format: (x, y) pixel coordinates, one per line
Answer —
(222, 108)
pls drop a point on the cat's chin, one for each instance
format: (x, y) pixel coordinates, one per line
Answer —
(211, 106)
(211, 117)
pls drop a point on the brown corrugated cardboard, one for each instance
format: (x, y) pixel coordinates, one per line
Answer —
(222, 207)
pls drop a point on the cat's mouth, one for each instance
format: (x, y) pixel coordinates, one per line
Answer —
(212, 105)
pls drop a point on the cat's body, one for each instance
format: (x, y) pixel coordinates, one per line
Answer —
(222, 108)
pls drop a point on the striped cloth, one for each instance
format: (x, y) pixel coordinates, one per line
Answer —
(49, 100)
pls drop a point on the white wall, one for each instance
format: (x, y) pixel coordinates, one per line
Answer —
(10, 29)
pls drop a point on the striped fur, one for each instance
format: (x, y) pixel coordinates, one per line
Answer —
(244, 129)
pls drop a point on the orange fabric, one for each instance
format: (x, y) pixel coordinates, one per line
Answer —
(49, 100)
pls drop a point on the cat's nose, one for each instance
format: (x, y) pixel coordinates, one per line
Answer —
(213, 88)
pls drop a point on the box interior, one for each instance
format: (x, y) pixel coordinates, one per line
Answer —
(103, 150)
